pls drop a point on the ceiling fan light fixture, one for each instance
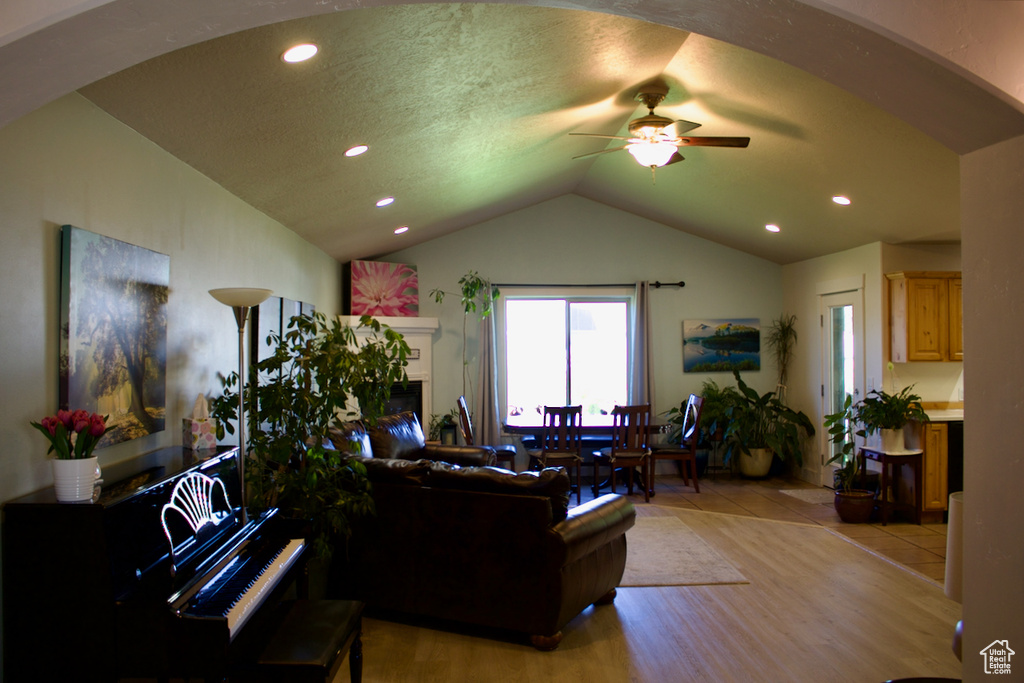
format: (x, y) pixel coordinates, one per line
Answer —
(651, 154)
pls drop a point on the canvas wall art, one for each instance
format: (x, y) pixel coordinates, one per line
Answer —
(114, 332)
(381, 289)
(722, 345)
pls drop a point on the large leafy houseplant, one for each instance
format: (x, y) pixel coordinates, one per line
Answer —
(293, 399)
(714, 413)
(762, 421)
(477, 295)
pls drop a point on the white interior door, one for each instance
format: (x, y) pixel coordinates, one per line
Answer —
(842, 367)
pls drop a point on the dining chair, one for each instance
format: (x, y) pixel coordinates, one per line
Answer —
(685, 454)
(562, 444)
(502, 453)
(631, 432)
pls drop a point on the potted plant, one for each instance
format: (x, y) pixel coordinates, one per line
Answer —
(761, 427)
(888, 414)
(298, 393)
(73, 436)
(715, 414)
(853, 505)
(443, 427)
(477, 296)
(780, 340)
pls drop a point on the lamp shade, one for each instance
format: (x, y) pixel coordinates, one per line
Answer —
(240, 296)
(651, 153)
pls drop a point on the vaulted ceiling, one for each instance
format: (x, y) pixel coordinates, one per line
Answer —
(467, 111)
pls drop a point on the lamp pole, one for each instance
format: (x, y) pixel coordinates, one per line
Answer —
(241, 300)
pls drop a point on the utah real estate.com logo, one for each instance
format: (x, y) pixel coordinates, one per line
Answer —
(997, 657)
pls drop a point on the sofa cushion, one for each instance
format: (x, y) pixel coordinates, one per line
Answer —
(551, 482)
(351, 437)
(397, 436)
(397, 471)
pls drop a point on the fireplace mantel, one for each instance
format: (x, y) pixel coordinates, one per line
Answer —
(418, 334)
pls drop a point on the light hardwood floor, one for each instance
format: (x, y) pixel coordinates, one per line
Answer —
(819, 607)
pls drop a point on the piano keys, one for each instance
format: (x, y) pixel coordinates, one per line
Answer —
(97, 590)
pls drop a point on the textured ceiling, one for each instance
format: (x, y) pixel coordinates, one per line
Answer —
(467, 108)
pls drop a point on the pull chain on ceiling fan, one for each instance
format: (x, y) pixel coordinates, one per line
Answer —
(656, 139)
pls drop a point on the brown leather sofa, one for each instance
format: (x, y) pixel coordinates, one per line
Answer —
(401, 436)
(483, 546)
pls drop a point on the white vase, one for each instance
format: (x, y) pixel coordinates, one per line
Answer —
(892, 440)
(75, 480)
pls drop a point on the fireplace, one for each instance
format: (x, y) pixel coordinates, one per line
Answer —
(407, 398)
(418, 334)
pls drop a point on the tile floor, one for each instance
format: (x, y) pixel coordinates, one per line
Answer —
(921, 549)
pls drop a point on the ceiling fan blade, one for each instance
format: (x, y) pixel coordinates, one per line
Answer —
(674, 159)
(678, 128)
(601, 135)
(713, 142)
(602, 151)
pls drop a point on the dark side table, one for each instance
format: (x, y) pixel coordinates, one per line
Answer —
(913, 458)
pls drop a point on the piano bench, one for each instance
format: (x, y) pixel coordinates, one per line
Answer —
(311, 642)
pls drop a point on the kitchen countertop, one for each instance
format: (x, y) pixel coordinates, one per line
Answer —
(948, 415)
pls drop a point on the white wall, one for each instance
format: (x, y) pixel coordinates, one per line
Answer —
(803, 284)
(70, 163)
(571, 240)
(992, 205)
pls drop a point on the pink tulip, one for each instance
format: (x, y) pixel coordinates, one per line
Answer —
(50, 424)
(65, 417)
(96, 425)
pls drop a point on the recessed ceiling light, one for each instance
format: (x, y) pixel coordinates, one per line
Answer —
(841, 200)
(385, 201)
(771, 227)
(299, 53)
(404, 228)
(356, 151)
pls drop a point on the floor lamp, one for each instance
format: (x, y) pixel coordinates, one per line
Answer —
(241, 299)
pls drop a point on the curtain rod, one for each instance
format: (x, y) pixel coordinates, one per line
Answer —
(656, 285)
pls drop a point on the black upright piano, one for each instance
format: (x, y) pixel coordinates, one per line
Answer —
(161, 575)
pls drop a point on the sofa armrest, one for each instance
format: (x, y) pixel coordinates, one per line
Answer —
(463, 456)
(594, 524)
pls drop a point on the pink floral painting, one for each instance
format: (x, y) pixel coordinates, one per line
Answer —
(386, 289)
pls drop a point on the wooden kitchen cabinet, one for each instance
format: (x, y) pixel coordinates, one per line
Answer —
(936, 467)
(925, 316)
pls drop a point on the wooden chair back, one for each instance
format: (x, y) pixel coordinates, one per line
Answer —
(690, 432)
(562, 431)
(631, 430)
(464, 422)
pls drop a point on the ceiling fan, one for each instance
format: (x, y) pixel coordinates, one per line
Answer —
(656, 139)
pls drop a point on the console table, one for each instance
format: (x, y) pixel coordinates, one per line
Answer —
(888, 460)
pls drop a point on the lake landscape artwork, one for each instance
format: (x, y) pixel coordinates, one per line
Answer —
(722, 345)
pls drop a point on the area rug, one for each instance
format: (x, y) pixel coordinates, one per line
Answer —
(663, 551)
(820, 496)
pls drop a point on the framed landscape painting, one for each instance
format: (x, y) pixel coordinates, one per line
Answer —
(722, 345)
(113, 350)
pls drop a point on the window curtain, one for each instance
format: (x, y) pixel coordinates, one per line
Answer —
(486, 421)
(641, 381)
